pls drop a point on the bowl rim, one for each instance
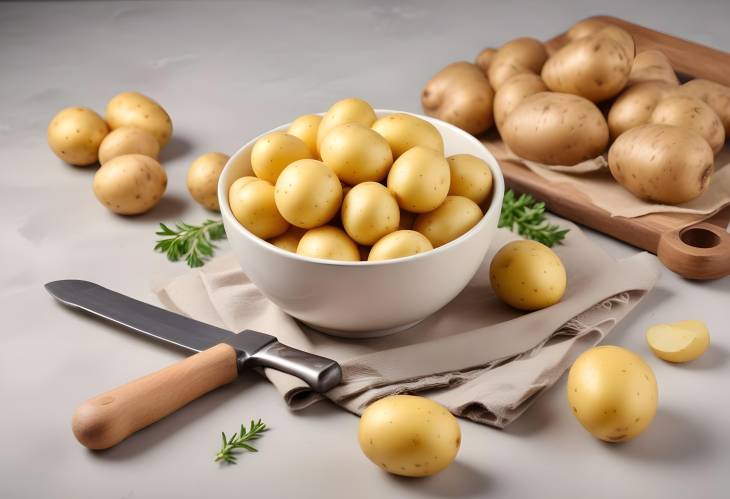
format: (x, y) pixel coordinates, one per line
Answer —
(497, 195)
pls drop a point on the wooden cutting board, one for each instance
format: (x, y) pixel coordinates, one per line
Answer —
(693, 246)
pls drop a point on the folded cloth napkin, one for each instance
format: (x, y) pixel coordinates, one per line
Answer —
(478, 357)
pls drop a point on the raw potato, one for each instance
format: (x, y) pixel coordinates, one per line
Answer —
(409, 436)
(556, 129)
(717, 96)
(585, 28)
(139, 111)
(420, 180)
(203, 177)
(356, 153)
(403, 131)
(596, 67)
(130, 184)
(329, 243)
(612, 392)
(460, 94)
(369, 212)
(305, 128)
(635, 105)
(513, 92)
(345, 111)
(662, 163)
(455, 217)
(289, 240)
(128, 140)
(399, 244)
(485, 58)
(527, 275)
(274, 152)
(690, 112)
(308, 194)
(521, 55)
(652, 65)
(254, 207)
(682, 341)
(75, 134)
(238, 185)
(470, 177)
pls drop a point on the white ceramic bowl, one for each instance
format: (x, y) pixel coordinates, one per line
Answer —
(363, 299)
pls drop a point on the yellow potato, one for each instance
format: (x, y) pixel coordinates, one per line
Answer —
(203, 177)
(682, 341)
(305, 128)
(689, 112)
(289, 240)
(527, 275)
(139, 111)
(274, 152)
(455, 217)
(254, 207)
(238, 185)
(369, 212)
(470, 177)
(409, 436)
(308, 194)
(399, 244)
(356, 153)
(612, 392)
(329, 243)
(420, 180)
(130, 184)
(75, 134)
(128, 140)
(403, 131)
(345, 111)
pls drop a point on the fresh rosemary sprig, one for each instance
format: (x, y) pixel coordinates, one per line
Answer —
(192, 243)
(527, 217)
(239, 441)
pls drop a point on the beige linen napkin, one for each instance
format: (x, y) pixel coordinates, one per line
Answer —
(480, 358)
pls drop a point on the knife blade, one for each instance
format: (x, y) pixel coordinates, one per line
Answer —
(220, 356)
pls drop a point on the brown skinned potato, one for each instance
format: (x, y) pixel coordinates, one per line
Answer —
(585, 28)
(716, 95)
(513, 92)
(689, 112)
(521, 55)
(635, 105)
(652, 65)
(461, 95)
(485, 57)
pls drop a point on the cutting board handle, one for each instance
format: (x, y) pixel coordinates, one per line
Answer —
(109, 418)
(699, 251)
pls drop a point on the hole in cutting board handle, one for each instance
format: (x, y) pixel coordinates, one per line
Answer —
(699, 237)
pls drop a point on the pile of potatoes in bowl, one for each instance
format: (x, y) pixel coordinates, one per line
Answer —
(592, 95)
(348, 186)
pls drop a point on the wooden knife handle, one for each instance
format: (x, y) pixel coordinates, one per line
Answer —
(109, 418)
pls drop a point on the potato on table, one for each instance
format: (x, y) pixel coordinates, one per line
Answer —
(680, 342)
(130, 184)
(132, 109)
(128, 140)
(75, 135)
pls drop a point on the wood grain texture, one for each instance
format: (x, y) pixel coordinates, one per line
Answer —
(109, 418)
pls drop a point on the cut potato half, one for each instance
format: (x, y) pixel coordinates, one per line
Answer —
(682, 341)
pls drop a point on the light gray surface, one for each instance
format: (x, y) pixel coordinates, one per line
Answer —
(226, 72)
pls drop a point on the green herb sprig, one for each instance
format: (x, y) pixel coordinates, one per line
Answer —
(526, 216)
(240, 440)
(192, 243)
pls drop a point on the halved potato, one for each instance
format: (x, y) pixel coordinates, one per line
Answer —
(678, 342)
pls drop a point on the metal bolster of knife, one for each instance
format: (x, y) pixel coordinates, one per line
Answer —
(321, 373)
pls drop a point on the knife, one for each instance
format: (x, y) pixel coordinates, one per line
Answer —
(219, 357)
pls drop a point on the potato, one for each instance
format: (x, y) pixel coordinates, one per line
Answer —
(690, 112)
(461, 95)
(485, 58)
(128, 140)
(407, 219)
(305, 128)
(556, 129)
(585, 28)
(470, 177)
(455, 217)
(662, 163)
(75, 134)
(403, 131)
(132, 109)
(409, 436)
(527, 275)
(329, 243)
(238, 185)
(635, 105)
(420, 180)
(652, 65)
(399, 244)
(596, 67)
(369, 212)
(308, 193)
(521, 55)
(203, 177)
(717, 96)
(130, 184)
(274, 152)
(345, 111)
(254, 207)
(289, 240)
(513, 92)
(679, 342)
(612, 393)
(356, 153)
